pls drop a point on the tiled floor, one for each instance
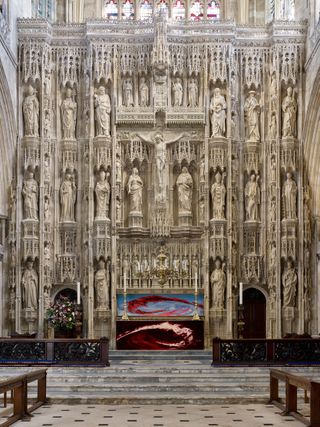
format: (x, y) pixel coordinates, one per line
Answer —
(159, 416)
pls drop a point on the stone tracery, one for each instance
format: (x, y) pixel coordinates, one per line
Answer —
(154, 158)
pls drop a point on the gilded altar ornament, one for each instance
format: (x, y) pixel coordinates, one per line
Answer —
(162, 271)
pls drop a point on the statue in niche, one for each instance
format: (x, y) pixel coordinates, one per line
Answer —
(30, 192)
(273, 210)
(289, 116)
(218, 194)
(289, 283)
(47, 213)
(86, 123)
(68, 192)
(202, 174)
(289, 195)
(218, 285)
(101, 286)
(102, 107)
(252, 115)
(273, 92)
(252, 198)
(135, 186)
(127, 93)
(118, 209)
(218, 108)
(273, 126)
(201, 209)
(29, 284)
(30, 109)
(273, 169)
(177, 90)
(185, 187)
(144, 92)
(102, 191)
(118, 168)
(193, 95)
(47, 124)
(69, 116)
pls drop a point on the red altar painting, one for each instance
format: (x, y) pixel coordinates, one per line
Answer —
(160, 335)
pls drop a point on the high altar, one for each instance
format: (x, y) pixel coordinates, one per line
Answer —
(158, 163)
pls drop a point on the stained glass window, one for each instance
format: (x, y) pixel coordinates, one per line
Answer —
(196, 11)
(111, 9)
(145, 10)
(127, 10)
(213, 10)
(178, 10)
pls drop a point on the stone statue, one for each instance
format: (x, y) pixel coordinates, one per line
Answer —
(69, 116)
(29, 284)
(102, 192)
(252, 198)
(30, 109)
(218, 108)
(289, 195)
(218, 285)
(252, 115)
(177, 90)
(102, 107)
(273, 126)
(289, 283)
(273, 92)
(185, 187)
(47, 213)
(134, 187)
(193, 96)
(144, 93)
(289, 116)
(68, 192)
(30, 191)
(218, 195)
(101, 286)
(127, 94)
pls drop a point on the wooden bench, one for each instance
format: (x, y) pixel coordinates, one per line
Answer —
(18, 386)
(292, 383)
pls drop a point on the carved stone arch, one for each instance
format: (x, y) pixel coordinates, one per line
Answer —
(259, 288)
(8, 134)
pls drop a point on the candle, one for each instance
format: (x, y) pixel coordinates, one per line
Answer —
(240, 293)
(196, 282)
(78, 293)
(124, 282)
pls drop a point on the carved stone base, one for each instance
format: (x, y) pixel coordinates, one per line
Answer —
(288, 313)
(135, 219)
(185, 219)
(102, 314)
(31, 316)
(217, 314)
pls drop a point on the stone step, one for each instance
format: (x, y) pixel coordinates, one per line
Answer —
(160, 355)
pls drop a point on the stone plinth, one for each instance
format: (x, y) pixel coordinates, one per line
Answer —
(217, 314)
(185, 219)
(102, 313)
(135, 219)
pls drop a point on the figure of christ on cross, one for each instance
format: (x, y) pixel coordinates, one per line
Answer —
(157, 139)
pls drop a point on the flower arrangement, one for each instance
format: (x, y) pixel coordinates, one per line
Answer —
(62, 313)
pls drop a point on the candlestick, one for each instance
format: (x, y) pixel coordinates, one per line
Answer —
(125, 314)
(124, 282)
(195, 313)
(78, 293)
(196, 282)
(240, 293)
